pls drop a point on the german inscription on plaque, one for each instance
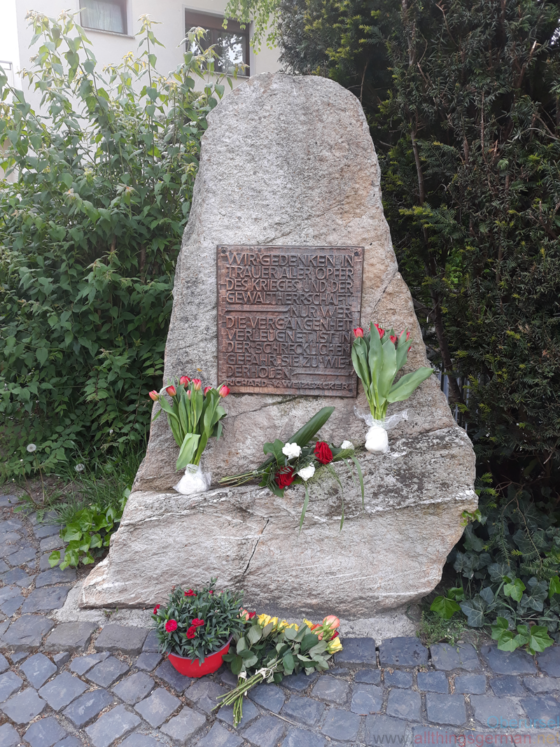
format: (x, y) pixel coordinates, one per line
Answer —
(285, 318)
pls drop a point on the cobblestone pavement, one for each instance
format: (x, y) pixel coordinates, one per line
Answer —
(79, 683)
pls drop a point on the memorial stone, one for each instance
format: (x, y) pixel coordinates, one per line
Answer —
(286, 249)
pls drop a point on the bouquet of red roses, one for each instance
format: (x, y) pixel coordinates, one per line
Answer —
(298, 460)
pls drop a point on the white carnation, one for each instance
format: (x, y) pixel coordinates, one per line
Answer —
(347, 445)
(291, 450)
(307, 472)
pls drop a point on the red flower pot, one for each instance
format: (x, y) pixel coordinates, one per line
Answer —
(192, 668)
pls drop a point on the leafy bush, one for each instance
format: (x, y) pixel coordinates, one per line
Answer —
(196, 623)
(89, 234)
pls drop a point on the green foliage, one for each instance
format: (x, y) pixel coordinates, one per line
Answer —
(434, 628)
(89, 234)
(446, 606)
(218, 610)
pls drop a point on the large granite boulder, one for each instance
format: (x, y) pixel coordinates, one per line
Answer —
(289, 160)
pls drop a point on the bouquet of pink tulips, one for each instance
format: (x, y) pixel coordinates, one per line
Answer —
(194, 415)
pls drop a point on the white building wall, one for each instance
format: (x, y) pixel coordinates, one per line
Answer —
(110, 48)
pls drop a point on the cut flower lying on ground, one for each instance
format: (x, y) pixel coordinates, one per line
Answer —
(269, 649)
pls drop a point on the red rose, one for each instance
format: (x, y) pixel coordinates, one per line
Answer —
(156, 608)
(171, 625)
(191, 632)
(210, 592)
(184, 380)
(323, 453)
(358, 332)
(196, 623)
(171, 391)
(285, 477)
(252, 615)
(190, 593)
(334, 635)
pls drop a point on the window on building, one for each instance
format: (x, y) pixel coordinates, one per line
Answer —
(232, 45)
(104, 15)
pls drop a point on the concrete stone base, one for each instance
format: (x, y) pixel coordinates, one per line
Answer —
(389, 553)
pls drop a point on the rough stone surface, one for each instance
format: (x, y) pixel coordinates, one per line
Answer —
(158, 707)
(220, 737)
(87, 707)
(169, 674)
(435, 682)
(509, 684)
(404, 704)
(270, 697)
(402, 652)
(357, 651)
(8, 736)
(474, 684)
(71, 636)
(319, 186)
(303, 710)
(446, 709)
(27, 631)
(107, 672)
(549, 661)
(62, 690)
(266, 732)
(121, 639)
(134, 688)
(111, 726)
(182, 726)
(341, 725)
(493, 713)
(508, 662)
(367, 699)
(462, 656)
(45, 733)
(9, 684)
(24, 706)
(46, 599)
(38, 669)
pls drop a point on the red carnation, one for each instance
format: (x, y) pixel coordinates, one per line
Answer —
(323, 452)
(191, 632)
(171, 625)
(196, 623)
(156, 608)
(285, 477)
(190, 593)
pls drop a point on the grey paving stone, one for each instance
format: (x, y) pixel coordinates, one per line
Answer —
(446, 709)
(158, 707)
(270, 697)
(404, 704)
(107, 672)
(228, 678)
(44, 600)
(397, 679)
(303, 710)
(542, 711)
(12, 605)
(62, 690)
(184, 725)
(17, 656)
(38, 669)
(382, 730)
(250, 713)
(148, 662)
(4, 567)
(431, 735)
(46, 530)
(72, 742)
(299, 682)
(61, 658)
(205, 694)
(462, 656)
(301, 738)
(495, 713)
(83, 664)
(25, 556)
(4, 663)
(44, 563)
(369, 676)
(169, 674)
(140, 740)
(45, 733)
(549, 661)
(357, 651)
(265, 732)
(541, 684)
(219, 737)
(87, 707)
(18, 576)
(121, 638)
(339, 672)
(330, 689)
(8, 736)
(151, 645)
(341, 725)
(11, 543)
(55, 576)
(9, 684)
(51, 543)
(24, 706)
(474, 684)
(366, 699)
(509, 684)
(111, 726)
(508, 662)
(402, 652)
(134, 688)
(8, 592)
(435, 682)
(10, 525)
(8, 500)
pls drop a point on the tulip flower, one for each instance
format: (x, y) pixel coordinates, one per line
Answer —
(184, 380)
(223, 391)
(359, 332)
(171, 391)
(197, 384)
(381, 331)
(206, 390)
(393, 338)
(154, 395)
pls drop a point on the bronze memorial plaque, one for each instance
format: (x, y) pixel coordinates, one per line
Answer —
(285, 318)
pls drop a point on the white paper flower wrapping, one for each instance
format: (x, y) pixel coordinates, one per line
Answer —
(193, 481)
(307, 472)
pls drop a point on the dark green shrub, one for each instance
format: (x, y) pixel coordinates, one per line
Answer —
(89, 234)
